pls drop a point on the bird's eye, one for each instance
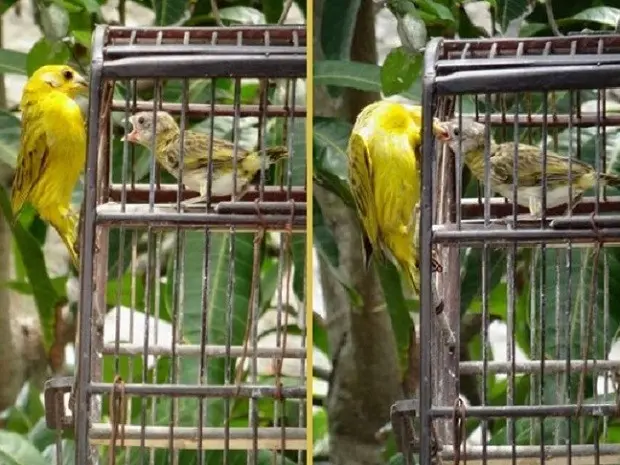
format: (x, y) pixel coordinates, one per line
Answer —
(455, 131)
(141, 120)
(67, 74)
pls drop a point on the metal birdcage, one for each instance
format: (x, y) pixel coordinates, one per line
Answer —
(531, 297)
(192, 321)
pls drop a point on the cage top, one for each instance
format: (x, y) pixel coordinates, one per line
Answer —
(518, 64)
(199, 52)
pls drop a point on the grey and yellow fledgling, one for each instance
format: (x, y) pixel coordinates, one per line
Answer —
(196, 153)
(385, 183)
(529, 169)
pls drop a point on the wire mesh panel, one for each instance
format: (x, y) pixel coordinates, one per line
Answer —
(192, 332)
(520, 199)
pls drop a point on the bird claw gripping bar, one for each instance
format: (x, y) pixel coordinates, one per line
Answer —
(54, 392)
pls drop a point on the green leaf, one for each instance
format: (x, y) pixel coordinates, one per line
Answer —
(356, 75)
(5, 5)
(12, 61)
(337, 28)
(10, 132)
(168, 12)
(399, 310)
(54, 22)
(437, 9)
(16, 450)
(242, 15)
(605, 15)
(319, 334)
(507, 10)
(330, 170)
(272, 9)
(322, 236)
(67, 446)
(46, 52)
(45, 295)
(399, 71)
(91, 6)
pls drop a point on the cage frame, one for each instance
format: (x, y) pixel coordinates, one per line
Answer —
(187, 63)
(439, 370)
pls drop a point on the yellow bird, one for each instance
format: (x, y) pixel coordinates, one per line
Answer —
(196, 155)
(52, 150)
(385, 182)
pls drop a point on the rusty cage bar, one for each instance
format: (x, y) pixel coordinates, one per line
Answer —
(187, 303)
(549, 390)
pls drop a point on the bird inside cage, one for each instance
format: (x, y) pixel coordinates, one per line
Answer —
(561, 189)
(196, 148)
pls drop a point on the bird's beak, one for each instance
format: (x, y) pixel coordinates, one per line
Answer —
(441, 133)
(132, 136)
(80, 84)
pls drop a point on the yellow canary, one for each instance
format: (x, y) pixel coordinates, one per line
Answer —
(196, 154)
(529, 169)
(385, 183)
(52, 150)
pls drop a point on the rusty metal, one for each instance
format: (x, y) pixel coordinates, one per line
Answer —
(549, 281)
(165, 284)
(56, 416)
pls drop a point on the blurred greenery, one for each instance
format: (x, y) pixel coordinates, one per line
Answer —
(557, 280)
(145, 280)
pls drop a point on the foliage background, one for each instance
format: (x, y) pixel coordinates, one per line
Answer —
(38, 293)
(367, 331)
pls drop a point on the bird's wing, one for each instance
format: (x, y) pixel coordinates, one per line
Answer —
(31, 162)
(197, 144)
(360, 177)
(531, 167)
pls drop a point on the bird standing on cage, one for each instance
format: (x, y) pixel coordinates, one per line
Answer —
(385, 183)
(196, 155)
(52, 151)
(529, 169)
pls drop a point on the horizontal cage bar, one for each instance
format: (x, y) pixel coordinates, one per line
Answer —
(500, 207)
(582, 454)
(167, 193)
(274, 438)
(205, 66)
(535, 366)
(139, 215)
(187, 390)
(505, 237)
(184, 350)
(530, 411)
(115, 52)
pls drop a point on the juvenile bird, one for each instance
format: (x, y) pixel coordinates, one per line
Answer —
(529, 168)
(52, 150)
(196, 153)
(385, 183)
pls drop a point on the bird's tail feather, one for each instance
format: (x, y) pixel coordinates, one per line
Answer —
(610, 180)
(276, 153)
